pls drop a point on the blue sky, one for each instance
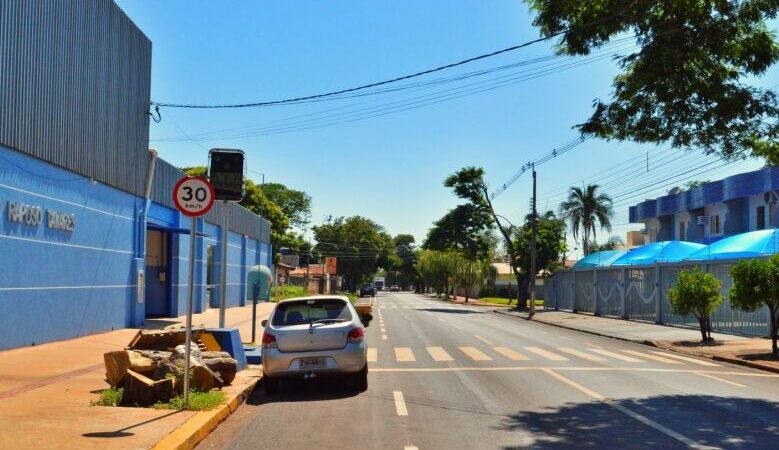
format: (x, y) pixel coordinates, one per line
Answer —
(389, 168)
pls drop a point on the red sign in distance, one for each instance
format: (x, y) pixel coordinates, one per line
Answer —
(193, 196)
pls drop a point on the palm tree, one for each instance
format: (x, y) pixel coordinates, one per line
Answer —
(586, 208)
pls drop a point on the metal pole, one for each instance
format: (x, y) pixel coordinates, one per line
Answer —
(533, 255)
(190, 296)
(223, 271)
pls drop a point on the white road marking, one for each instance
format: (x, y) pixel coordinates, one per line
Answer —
(372, 354)
(475, 354)
(510, 354)
(410, 447)
(384, 337)
(690, 360)
(616, 355)
(546, 354)
(439, 354)
(404, 354)
(580, 354)
(653, 357)
(732, 383)
(629, 412)
(483, 340)
(400, 403)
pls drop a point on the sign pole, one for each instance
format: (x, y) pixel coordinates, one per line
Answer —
(190, 295)
(223, 271)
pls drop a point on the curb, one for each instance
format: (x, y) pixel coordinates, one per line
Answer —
(200, 425)
(737, 361)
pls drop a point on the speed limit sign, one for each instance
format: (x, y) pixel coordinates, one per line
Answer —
(193, 196)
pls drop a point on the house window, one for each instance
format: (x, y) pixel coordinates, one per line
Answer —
(682, 231)
(715, 224)
(760, 218)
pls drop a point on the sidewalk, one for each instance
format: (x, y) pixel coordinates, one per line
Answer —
(729, 348)
(46, 390)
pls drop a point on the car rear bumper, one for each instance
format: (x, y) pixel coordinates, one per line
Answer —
(349, 359)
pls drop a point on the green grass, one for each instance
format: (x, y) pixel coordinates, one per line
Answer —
(281, 293)
(505, 301)
(108, 397)
(198, 401)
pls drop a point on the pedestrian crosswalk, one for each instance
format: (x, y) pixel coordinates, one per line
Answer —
(528, 353)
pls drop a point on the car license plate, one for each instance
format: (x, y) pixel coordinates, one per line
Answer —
(312, 363)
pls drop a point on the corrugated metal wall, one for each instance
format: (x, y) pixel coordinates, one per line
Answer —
(75, 87)
(241, 220)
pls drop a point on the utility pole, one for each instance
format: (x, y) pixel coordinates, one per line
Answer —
(223, 264)
(533, 252)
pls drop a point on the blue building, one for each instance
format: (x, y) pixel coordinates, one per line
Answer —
(737, 204)
(89, 236)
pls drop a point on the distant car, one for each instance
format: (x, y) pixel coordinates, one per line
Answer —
(367, 289)
(311, 336)
(394, 288)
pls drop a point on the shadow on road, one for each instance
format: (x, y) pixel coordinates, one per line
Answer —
(724, 422)
(299, 390)
(446, 310)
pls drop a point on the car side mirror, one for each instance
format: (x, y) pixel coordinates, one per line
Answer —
(366, 319)
(264, 323)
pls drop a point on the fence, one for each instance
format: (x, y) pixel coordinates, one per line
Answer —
(641, 293)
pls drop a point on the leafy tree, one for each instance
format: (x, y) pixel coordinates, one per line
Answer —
(685, 85)
(296, 205)
(550, 243)
(465, 229)
(468, 184)
(696, 292)
(401, 269)
(587, 210)
(468, 272)
(361, 246)
(437, 270)
(756, 283)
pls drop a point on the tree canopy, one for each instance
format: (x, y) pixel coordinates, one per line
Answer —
(687, 82)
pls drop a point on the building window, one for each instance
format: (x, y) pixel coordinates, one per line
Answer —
(760, 218)
(682, 231)
(715, 224)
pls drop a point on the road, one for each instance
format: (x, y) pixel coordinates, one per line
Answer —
(444, 376)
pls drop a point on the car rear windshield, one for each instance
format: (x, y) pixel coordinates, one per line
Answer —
(307, 311)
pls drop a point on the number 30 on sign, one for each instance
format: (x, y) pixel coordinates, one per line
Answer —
(193, 196)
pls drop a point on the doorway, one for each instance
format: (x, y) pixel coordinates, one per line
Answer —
(157, 273)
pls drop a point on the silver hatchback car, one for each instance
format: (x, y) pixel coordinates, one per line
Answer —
(309, 336)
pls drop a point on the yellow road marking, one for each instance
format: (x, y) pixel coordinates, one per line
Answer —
(483, 340)
(372, 354)
(510, 354)
(654, 357)
(475, 354)
(439, 354)
(582, 355)
(732, 383)
(400, 403)
(628, 412)
(690, 360)
(616, 355)
(404, 354)
(548, 355)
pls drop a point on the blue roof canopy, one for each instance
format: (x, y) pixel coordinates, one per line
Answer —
(599, 259)
(666, 251)
(744, 245)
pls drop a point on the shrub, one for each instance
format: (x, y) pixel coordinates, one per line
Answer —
(756, 283)
(696, 292)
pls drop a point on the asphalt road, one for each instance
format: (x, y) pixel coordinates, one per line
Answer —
(444, 376)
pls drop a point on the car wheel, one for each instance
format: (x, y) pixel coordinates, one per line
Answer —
(270, 386)
(360, 380)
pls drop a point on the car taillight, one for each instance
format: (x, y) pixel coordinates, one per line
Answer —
(268, 340)
(356, 335)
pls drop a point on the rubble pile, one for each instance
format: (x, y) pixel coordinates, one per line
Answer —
(151, 368)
